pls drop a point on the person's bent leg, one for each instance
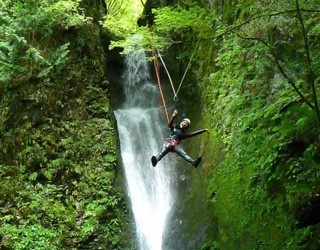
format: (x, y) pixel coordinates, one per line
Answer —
(164, 151)
(156, 159)
(179, 150)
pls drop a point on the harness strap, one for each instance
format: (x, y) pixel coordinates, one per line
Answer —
(171, 143)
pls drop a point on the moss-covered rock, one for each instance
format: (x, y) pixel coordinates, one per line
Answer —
(59, 148)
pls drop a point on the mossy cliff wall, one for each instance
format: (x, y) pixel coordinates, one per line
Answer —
(60, 186)
(258, 185)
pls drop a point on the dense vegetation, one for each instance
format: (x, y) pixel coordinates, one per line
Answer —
(58, 146)
(256, 78)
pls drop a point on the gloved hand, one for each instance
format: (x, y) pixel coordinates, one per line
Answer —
(175, 113)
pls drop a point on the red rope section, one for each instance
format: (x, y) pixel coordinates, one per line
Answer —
(156, 68)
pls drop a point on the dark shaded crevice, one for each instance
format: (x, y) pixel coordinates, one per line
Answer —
(115, 68)
(309, 213)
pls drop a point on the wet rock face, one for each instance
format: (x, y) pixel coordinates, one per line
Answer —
(115, 67)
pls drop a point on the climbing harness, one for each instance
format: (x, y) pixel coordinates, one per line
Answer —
(171, 143)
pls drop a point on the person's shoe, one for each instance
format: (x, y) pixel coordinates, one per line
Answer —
(154, 161)
(197, 162)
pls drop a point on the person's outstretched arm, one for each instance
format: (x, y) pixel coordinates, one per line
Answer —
(191, 134)
(174, 115)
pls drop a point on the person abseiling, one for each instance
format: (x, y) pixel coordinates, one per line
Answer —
(172, 143)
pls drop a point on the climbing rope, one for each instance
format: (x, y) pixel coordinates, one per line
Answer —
(188, 66)
(168, 74)
(175, 92)
(156, 68)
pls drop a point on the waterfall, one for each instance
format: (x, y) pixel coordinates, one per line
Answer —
(141, 125)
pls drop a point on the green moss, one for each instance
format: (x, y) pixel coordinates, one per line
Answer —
(58, 142)
(261, 162)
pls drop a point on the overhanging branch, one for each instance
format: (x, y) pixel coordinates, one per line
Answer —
(309, 63)
(261, 16)
(283, 73)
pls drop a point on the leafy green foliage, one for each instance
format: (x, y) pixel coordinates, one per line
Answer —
(25, 30)
(59, 152)
(121, 19)
(175, 20)
(79, 157)
(171, 23)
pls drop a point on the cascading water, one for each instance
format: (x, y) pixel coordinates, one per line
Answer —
(140, 125)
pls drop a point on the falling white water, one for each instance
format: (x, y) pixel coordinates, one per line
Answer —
(141, 125)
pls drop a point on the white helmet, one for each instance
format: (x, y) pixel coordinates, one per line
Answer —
(186, 120)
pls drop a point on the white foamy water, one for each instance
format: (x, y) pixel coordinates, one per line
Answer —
(141, 124)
